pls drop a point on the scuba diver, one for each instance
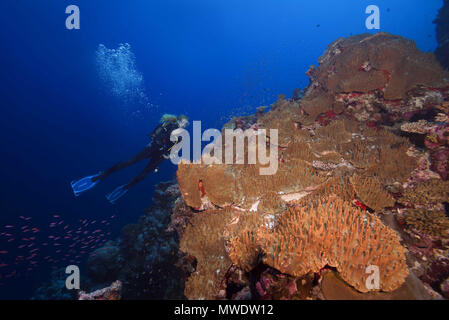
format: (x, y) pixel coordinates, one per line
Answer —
(157, 151)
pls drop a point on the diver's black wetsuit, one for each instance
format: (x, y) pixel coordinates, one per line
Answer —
(156, 150)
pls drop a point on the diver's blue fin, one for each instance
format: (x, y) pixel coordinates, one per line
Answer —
(116, 194)
(84, 184)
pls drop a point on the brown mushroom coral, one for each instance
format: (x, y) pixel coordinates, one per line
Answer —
(332, 232)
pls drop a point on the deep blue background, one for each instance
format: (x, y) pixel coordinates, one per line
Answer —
(207, 59)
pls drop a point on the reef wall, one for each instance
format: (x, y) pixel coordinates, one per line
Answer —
(353, 160)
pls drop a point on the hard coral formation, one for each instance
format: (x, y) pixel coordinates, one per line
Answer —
(432, 222)
(334, 233)
(369, 75)
(307, 160)
(436, 139)
(303, 240)
(113, 292)
(421, 127)
(427, 193)
(180, 218)
(278, 286)
(242, 243)
(244, 251)
(346, 146)
(203, 239)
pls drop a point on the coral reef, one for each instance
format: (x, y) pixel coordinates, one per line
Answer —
(427, 193)
(145, 256)
(180, 218)
(442, 30)
(334, 288)
(445, 288)
(362, 180)
(309, 158)
(55, 289)
(431, 222)
(336, 234)
(214, 239)
(302, 241)
(436, 139)
(436, 142)
(357, 151)
(436, 274)
(105, 263)
(113, 292)
(370, 192)
(278, 286)
(367, 74)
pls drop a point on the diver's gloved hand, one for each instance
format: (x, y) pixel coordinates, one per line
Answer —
(116, 194)
(84, 184)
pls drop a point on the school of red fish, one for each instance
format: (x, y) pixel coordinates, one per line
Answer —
(24, 247)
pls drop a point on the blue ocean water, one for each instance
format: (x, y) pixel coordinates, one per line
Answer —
(63, 118)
